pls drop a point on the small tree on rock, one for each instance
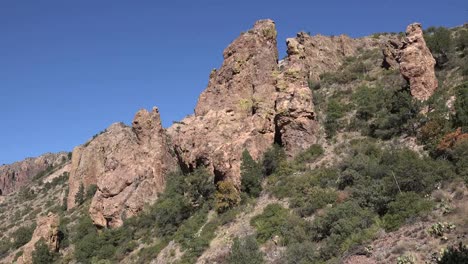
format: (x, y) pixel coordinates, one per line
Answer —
(80, 195)
(251, 175)
(226, 196)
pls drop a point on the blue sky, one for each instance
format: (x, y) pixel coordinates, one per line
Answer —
(69, 69)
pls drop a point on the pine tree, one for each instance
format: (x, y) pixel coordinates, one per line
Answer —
(80, 195)
(251, 175)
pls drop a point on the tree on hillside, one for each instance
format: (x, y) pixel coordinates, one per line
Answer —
(251, 175)
(80, 195)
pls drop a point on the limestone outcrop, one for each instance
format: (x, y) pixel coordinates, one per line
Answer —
(414, 60)
(18, 174)
(128, 165)
(47, 228)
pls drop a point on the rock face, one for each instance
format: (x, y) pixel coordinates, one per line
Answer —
(414, 60)
(236, 111)
(252, 101)
(308, 57)
(47, 229)
(128, 165)
(18, 174)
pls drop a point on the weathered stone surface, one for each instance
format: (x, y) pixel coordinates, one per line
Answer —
(236, 111)
(18, 174)
(252, 101)
(47, 229)
(308, 57)
(414, 60)
(128, 165)
(314, 55)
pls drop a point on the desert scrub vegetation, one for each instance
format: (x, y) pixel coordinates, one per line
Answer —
(373, 187)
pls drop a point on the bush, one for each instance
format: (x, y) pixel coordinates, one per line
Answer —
(276, 222)
(385, 113)
(407, 205)
(245, 251)
(80, 195)
(273, 159)
(91, 191)
(439, 41)
(338, 224)
(460, 119)
(334, 112)
(454, 255)
(309, 155)
(41, 253)
(22, 235)
(226, 197)
(251, 175)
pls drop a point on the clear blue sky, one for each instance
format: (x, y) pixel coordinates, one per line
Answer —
(68, 69)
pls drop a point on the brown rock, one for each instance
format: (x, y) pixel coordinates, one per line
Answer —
(18, 174)
(47, 229)
(128, 165)
(236, 111)
(415, 61)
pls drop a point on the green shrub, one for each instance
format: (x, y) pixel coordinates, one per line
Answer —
(406, 205)
(338, 224)
(245, 251)
(41, 253)
(91, 190)
(334, 112)
(5, 246)
(309, 155)
(439, 41)
(384, 113)
(304, 252)
(22, 235)
(454, 255)
(273, 158)
(226, 196)
(460, 119)
(251, 175)
(80, 195)
(272, 222)
(277, 221)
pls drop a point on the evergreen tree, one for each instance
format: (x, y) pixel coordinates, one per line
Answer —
(251, 175)
(80, 195)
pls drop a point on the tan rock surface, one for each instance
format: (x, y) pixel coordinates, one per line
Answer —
(236, 111)
(415, 61)
(18, 174)
(47, 229)
(128, 165)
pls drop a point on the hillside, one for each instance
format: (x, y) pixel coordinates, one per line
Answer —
(345, 151)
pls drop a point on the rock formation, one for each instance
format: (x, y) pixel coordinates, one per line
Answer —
(252, 101)
(308, 57)
(415, 61)
(18, 174)
(47, 229)
(128, 165)
(236, 111)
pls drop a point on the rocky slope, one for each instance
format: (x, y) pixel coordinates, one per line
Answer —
(18, 174)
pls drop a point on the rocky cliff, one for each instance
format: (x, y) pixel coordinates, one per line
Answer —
(18, 174)
(415, 61)
(128, 165)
